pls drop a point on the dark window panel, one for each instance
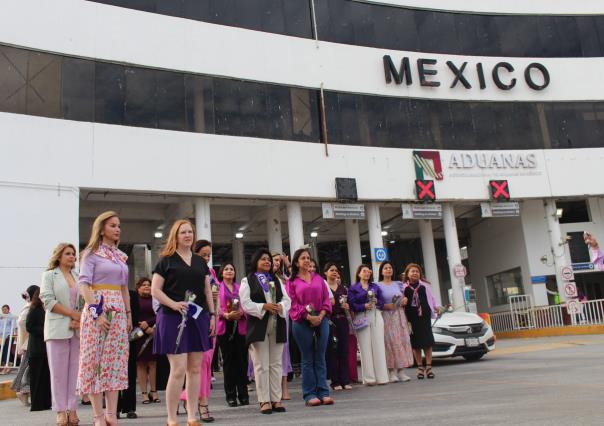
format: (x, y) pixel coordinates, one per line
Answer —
(78, 89)
(484, 122)
(226, 108)
(526, 126)
(548, 36)
(305, 114)
(170, 100)
(170, 7)
(13, 79)
(353, 117)
(109, 91)
(488, 40)
(199, 101)
(43, 92)
(569, 41)
(279, 121)
(333, 118)
(588, 34)
(197, 10)
(364, 26)
(140, 105)
(297, 18)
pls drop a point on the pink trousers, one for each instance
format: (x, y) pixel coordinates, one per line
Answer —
(63, 362)
(205, 381)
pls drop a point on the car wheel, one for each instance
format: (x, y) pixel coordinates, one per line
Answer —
(473, 357)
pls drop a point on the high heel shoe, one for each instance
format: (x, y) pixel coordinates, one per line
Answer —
(206, 412)
(184, 406)
(62, 419)
(73, 419)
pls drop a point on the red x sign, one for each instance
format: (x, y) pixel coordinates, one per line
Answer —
(425, 190)
(500, 190)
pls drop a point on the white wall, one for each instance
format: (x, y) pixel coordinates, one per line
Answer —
(541, 7)
(94, 30)
(35, 219)
(496, 246)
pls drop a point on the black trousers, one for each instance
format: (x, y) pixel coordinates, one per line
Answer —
(234, 363)
(39, 383)
(127, 399)
(337, 356)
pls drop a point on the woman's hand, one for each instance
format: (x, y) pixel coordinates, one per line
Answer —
(74, 325)
(129, 322)
(143, 325)
(75, 316)
(212, 325)
(404, 301)
(233, 316)
(369, 306)
(182, 307)
(103, 323)
(345, 306)
(150, 330)
(273, 308)
(314, 320)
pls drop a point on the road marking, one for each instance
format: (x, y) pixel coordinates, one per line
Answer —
(536, 348)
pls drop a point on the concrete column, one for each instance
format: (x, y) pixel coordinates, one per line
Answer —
(453, 256)
(141, 265)
(353, 243)
(295, 226)
(273, 228)
(203, 220)
(429, 253)
(374, 224)
(239, 258)
(557, 245)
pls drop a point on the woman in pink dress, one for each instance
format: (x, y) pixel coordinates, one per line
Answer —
(106, 320)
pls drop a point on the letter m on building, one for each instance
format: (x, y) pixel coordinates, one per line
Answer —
(391, 72)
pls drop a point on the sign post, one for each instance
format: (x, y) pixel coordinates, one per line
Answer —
(380, 254)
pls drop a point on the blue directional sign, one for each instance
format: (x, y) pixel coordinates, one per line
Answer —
(380, 254)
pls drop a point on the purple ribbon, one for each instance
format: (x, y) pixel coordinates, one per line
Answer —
(263, 279)
(96, 309)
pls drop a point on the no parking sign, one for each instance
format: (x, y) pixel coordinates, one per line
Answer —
(380, 254)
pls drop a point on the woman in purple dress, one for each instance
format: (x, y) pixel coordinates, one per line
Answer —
(146, 365)
(106, 320)
(185, 321)
(286, 363)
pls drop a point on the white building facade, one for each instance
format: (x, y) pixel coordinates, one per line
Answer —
(242, 114)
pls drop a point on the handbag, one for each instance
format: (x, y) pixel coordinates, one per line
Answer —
(360, 323)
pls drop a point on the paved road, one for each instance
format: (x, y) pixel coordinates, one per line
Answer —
(547, 381)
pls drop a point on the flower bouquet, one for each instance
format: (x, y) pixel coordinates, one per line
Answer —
(189, 298)
(311, 311)
(234, 306)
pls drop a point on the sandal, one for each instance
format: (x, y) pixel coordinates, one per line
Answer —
(204, 415)
(328, 400)
(73, 418)
(313, 402)
(429, 373)
(420, 373)
(268, 410)
(146, 399)
(62, 419)
(153, 397)
(278, 408)
(347, 387)
(337, 388)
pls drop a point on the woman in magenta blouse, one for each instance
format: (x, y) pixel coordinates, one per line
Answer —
(309, 306)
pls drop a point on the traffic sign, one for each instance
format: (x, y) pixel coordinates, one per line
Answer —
(573, 307)
(343, 211)
(422, 211)
(500, 190)
(380, 254)
(424, 190)
(567, 273)
(570, 289)
(459, 271)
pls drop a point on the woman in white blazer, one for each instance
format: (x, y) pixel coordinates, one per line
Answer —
(60, 295)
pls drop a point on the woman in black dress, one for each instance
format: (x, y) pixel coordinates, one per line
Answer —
(420, 309)
(39, 374)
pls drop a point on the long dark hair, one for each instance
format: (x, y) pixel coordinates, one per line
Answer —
(297, 254)
(357, 279)
(35, 300)
(256, 257)
(199, 244)
(327, 266)
(382, 266)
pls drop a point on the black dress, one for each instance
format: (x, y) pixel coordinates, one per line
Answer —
(421, 326)
(127, 398)
(39, 374)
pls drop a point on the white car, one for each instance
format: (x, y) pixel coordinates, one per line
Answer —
(461, 334)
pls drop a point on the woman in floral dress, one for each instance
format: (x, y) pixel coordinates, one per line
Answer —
(106, 320)
(399, 354)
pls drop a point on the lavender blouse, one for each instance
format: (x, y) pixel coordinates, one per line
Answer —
(105, 266)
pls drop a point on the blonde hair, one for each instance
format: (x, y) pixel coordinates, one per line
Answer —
(171, 242)
(55, 258)
(97, 228)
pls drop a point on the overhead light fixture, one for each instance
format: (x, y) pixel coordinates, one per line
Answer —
(364, 256)
(384, 233)
(392, 241)
(158, 234)
(239, 235)
(559, 212)
(314, 234)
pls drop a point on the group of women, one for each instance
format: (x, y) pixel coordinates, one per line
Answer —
(87, 319)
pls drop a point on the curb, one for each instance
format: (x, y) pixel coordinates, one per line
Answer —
(577, 330)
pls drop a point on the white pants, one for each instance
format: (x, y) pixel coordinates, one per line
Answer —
(373, 352)
(266, 356)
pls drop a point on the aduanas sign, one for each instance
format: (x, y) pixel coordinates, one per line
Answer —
(503, 75)
(492, 160)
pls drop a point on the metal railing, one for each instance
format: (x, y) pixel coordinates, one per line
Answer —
(524, 316)
(8, 342)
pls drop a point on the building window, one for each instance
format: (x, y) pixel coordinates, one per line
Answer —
(502, 285)
(573, 211)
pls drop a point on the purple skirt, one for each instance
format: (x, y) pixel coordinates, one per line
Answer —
(195, 337)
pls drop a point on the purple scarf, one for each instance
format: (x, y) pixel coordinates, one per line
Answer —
(263, 279)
